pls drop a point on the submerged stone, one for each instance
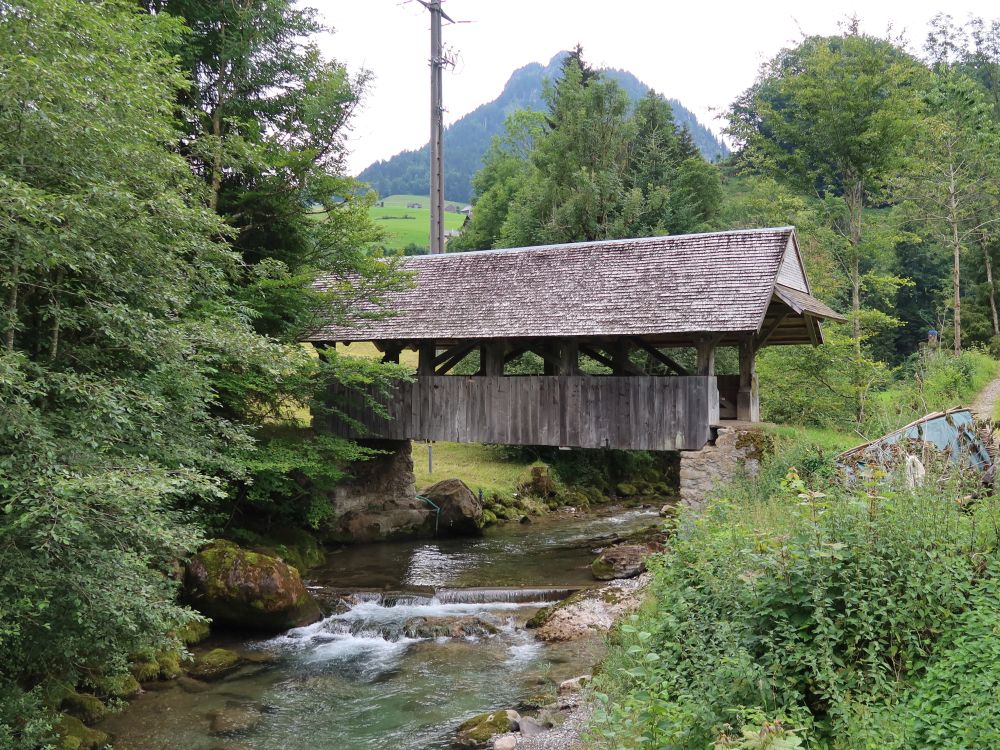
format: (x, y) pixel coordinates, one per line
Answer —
(234, 719)
(214, 665)
(249, 590)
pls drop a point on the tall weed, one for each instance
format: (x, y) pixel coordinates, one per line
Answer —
(794, 613)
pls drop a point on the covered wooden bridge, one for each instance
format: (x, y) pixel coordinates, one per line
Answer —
(604, 302)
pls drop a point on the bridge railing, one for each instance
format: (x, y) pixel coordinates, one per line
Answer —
(579, 411)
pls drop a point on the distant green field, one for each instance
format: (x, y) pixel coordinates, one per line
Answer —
(411, 225)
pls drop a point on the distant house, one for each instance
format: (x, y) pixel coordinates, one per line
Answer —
(414, 205)
(467, 210)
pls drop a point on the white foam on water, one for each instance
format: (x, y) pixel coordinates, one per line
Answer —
(378, 613)
(522, 654)
(378, 652)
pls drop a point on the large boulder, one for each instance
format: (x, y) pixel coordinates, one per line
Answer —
(461, 512)
(590, 611)
(248, 590)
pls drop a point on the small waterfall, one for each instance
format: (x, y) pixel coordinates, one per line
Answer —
(505, 595)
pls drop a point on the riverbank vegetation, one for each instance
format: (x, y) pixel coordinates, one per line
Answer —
(795, 612)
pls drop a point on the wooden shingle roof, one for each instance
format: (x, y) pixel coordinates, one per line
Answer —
(722, 282)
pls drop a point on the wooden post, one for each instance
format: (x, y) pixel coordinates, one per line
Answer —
(491, 357)
(619, 356)
(706, 356)
(425, 358)
(569, 353)
(748, 397)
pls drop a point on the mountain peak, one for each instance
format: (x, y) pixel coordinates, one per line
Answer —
(466, 140)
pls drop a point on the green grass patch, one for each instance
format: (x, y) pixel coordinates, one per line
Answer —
(483, 467)
(410, 226)
(932, 381)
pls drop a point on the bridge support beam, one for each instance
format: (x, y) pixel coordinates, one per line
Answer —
(492, 356)
(748, 396)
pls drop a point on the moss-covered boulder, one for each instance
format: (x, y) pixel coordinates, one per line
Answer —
(249, 590)
(73, 734)
(86, 707)
(117, 686)
(625, 489)
(214, 664)
(477, 731)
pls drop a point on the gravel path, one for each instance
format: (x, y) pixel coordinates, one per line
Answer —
(564, 737)
(984, 403)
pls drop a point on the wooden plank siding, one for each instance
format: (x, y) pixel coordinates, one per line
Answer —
(577, 411)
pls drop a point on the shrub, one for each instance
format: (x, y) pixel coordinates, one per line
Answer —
(794, 611)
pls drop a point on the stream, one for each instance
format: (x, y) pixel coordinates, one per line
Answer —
(362, 678)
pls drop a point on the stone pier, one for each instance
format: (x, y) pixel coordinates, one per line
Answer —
(379, 502)
(736, 450)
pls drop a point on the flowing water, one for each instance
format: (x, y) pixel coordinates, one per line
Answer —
(422, 635)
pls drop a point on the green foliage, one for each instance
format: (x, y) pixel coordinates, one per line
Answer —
(133, 370)
(469, 137)
(590, 169)
(793, 605)
(115, 300)
(953, 706)
(931, 380)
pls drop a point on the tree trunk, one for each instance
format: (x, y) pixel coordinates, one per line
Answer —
(11, 309)
(216, 178)
(54, 347)
(216, 183)
(855, 197)
(956, 248)
(992, 288)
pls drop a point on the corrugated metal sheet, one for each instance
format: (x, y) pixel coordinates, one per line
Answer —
(718, 282)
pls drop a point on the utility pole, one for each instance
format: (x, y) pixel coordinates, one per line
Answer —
(438, 61)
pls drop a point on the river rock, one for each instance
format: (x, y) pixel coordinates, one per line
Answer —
(249, 590)
(234, 719)
(505, 743)
(461, 511)
(443, 627)
(214, 665)
(363, 525)
(86, 707)
(191, 685)
(477, 731)
(530, 727)
(574, 685)
(589, 611)
(621, 561)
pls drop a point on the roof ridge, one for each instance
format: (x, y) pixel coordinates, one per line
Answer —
(592, 243)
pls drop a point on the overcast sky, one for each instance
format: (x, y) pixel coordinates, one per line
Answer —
(702, 53)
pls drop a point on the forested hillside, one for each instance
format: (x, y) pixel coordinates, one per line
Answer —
(467, 140)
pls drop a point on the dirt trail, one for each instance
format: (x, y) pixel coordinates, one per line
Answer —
(982, 406)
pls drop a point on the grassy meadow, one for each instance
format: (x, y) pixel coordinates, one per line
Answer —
(405, 226)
